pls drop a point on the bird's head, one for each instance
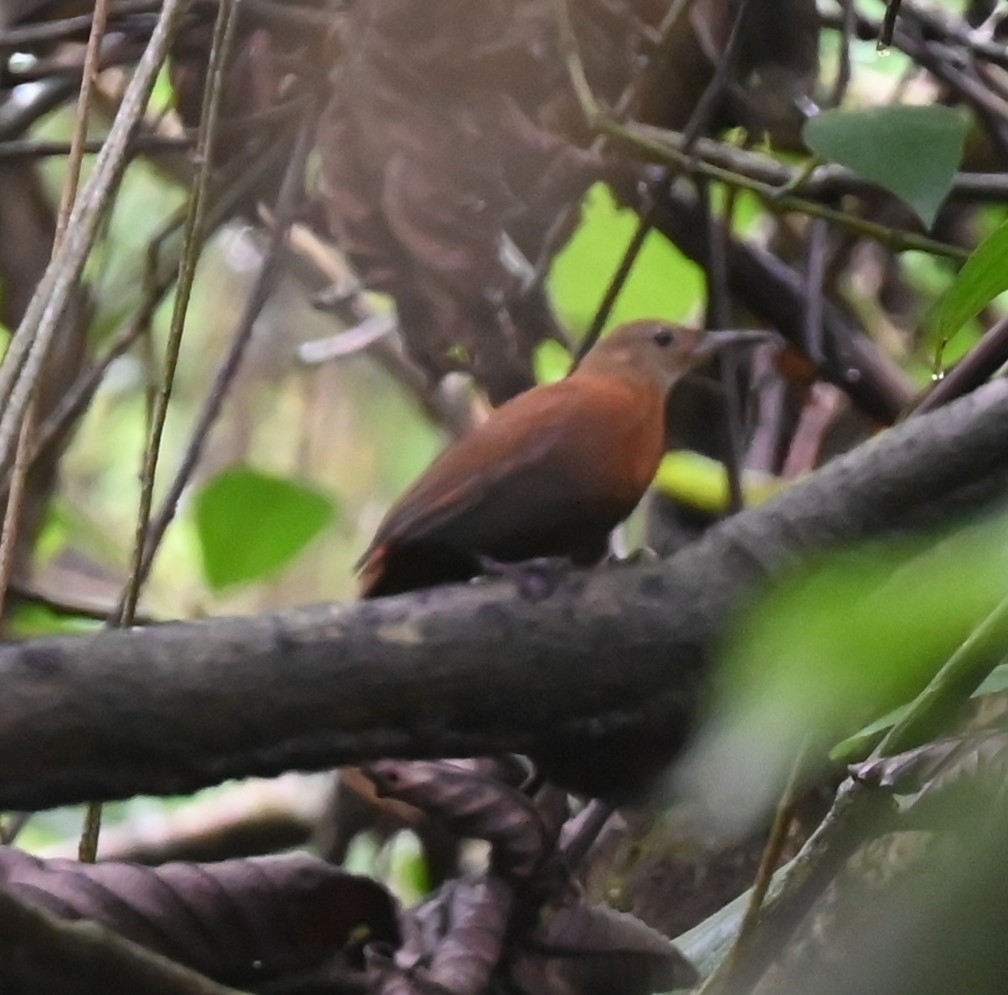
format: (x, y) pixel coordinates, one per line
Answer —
(659, 352)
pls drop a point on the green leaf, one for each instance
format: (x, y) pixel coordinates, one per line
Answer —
(983, 276)
(912, 151)
(701, 482)
(28, 620)
(551, 361)
(251, 524)
(858, 746)
(662, 283)
(832, 648)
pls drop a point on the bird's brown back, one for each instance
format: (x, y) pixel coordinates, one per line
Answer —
(549, 474)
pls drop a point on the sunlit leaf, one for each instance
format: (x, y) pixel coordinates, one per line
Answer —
(551, 361)
(983, 276)
(251, 524)
(912, 151)
(27, 620)
(662, 284)
(701, 482)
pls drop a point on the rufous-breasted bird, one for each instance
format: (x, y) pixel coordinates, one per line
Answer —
(548, 474)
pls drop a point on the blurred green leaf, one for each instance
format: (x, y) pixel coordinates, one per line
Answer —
(701, 482)
(835, 647)
(28, 620)
(912, 151)
(662, 284)
(408, 876)
(858, 746)
(162, 98)
(251, 524)
(551, 361)
(983, 276)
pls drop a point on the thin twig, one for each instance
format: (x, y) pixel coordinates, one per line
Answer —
(68, 200)
(843, 76)
(815, 288)
(575, 67)
(223, 34)
(975, 368)
(617, 283)
(30, 341)
(713, 91)
(81, 119)
(719, 316)
(286, 207)
(696, 124)
(28, 35)
(15, 501)
(888, 24)
(22, 457)
(557, 230)
(35, 148)
(87, 851)
(662, 146)
(772, 851)
(224, 30)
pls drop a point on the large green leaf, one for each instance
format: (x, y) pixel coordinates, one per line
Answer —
(983, 276)
(912, 151)
(251, 524)
(831, 648)
(663, 283)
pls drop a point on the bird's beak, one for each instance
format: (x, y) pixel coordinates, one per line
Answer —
(715, 342)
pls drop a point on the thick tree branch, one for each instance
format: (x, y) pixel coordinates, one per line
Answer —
(615, 659)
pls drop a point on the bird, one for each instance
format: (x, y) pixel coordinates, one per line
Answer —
(550, 473)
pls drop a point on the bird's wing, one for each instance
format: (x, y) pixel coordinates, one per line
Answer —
(487, 487)
(467, 473)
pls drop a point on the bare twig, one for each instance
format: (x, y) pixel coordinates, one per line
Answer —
(617, 283)
(223, 35)
(978, 365)
(283, 219)
(665, 147)
(40, 148)
(31, 339)
(815, 288)
(234, 185)
(28, 35)
(888, 24)
(696, 124)
(843, 77)
(22, 459)
(15, 500)
(678, 9)
(194, 236)
(706, 105)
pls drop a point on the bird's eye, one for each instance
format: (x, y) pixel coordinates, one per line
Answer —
(663, 337)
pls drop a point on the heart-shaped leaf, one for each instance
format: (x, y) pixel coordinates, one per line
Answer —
(251, 524)
(912, 151)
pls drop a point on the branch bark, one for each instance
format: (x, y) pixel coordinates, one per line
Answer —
(602, 680)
